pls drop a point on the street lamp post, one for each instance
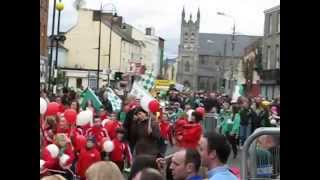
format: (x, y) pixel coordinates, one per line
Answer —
(232, 46)
(99, 43)
(59, 7)
(51, 43)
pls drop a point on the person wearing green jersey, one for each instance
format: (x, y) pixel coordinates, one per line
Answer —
(224, 114)
(231, 128)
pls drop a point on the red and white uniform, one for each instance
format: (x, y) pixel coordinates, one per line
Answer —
(86, 158)
(99, 133)
(187, 134)
(53, 163)
(164, 129)
(121, 152)
(111, 127)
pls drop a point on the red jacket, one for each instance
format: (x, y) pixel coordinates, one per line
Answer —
(187, 134)
(53, 163)
(164, 129)
(50, 162)
(86, 159)
(111, 127)
(121, 151)
(99, 133)
(61, 108)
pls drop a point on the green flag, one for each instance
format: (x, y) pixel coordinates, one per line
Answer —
(88, 94)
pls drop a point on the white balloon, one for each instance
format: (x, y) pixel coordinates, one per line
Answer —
(53, 149)
(84, 117)
(43, 106)
(63, 159)
(108, 146)
(144, 102)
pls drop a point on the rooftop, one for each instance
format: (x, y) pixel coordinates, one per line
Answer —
(220, 44)
(273, 9)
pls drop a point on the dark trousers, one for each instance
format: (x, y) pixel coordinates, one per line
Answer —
(233, 141)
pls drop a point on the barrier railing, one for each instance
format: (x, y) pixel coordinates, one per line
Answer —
(209, 122)
(264, 163)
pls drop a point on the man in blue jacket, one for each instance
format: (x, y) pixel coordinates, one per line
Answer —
(215, 151)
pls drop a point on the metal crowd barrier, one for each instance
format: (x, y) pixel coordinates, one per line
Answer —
(259, 163)
(209, 122)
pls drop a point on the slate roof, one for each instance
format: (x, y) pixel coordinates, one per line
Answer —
(213, 44)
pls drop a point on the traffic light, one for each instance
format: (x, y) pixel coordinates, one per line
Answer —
(118, 76)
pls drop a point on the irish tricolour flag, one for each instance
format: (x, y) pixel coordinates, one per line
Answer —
(238, 91)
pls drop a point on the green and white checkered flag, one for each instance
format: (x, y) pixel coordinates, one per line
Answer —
(147, 81)
(114, 100)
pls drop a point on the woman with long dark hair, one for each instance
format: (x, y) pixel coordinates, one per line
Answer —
(231, 128)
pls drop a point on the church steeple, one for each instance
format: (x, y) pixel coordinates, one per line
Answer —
(190, 20)
(198, 14)
(183, 13)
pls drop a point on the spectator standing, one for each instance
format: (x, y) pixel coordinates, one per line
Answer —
(185, 165)
(215, 151)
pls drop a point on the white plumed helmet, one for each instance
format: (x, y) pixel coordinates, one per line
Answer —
(53, 149)
(108, 146)
(63, 159)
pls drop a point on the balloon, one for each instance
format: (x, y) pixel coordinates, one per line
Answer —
(53, 109)
(145, 102)
(154, 106)
(43, 106)
(200, 110)
(71, 116)
(84, 117)
(108, 146)
(53, 149)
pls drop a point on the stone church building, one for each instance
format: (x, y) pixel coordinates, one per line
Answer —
(205, 60)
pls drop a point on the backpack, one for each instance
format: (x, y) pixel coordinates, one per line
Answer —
(235, 171)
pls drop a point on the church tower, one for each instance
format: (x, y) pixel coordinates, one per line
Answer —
(188, 51)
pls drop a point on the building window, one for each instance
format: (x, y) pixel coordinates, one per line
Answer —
(268, 57)
(186, 34)
(277, 56)
(278, 22)
(270, 24)
(270, 92)
(187, 67)
(79, 82)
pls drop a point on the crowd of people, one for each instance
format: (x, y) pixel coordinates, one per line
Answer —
(132, 138)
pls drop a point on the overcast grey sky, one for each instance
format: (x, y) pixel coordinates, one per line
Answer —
(165, 16)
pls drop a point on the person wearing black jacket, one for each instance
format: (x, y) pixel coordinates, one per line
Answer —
(248, 120)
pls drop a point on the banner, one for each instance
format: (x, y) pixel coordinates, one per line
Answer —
(114, 100)
(179, 87)
(88, 94)
(138, 91)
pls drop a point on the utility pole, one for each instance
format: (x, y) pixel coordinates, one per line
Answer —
(232, 57)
